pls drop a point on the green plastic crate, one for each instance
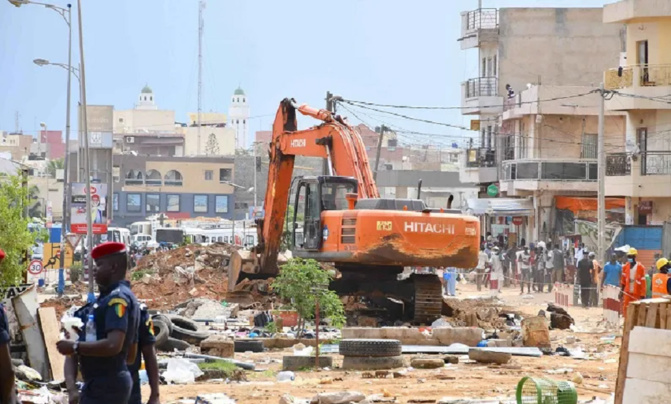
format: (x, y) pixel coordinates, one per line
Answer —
(536, 390)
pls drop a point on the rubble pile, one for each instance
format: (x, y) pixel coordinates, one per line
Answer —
(168, 278)
(486, 313)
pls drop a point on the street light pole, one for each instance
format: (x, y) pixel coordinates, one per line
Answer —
(87, 163)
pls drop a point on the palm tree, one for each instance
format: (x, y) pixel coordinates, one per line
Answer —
(36, 209)
(54, 165)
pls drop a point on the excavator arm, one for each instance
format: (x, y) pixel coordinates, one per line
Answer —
(333, 140)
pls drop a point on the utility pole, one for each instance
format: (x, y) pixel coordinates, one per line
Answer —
(379, 150)
(65, 222)
(602, 174)
(87, 158)
(201, 27)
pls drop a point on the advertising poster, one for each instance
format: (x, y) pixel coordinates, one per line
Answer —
(98, 195)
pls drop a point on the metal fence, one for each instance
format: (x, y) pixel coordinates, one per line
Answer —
(481, 157)
(482, 18)
(656, 163)
(482, 87)
(618, 164)
(550, 170)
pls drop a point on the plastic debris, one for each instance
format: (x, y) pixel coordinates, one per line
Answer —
(181, 371)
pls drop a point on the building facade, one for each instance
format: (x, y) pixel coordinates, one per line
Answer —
(180, 187)
(639, 166)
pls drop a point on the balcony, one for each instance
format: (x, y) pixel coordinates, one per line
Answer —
(481, 95)
(549, 174)
(647, 174)
(638, 81)
(479, 166)
(479, 26)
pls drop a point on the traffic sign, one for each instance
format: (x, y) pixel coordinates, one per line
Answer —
(518, 220)
(35, 267)
(492, 190)
(73, 239)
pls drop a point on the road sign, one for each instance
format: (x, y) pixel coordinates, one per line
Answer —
(518, 220)
(35, 267)
(73, 240)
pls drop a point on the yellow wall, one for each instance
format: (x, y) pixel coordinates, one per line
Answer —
(193, 174)
(658, 34)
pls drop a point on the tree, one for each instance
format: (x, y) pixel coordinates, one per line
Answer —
(55, 165)
(35, 208)
(212, 146)
(302, 282)
(15, 237)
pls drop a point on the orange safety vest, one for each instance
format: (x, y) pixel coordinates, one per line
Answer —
(659, 285)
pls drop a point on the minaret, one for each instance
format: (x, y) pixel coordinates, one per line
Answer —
(146, 99)
(238, 118)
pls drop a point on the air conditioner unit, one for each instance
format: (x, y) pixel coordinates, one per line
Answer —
(130, 139)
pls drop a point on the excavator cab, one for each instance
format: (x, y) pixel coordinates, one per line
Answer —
(313, 196)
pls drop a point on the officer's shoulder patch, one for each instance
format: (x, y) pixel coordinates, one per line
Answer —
(117, 300)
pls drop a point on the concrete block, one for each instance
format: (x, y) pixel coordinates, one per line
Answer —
(423, 363)
(218, 345)
(484, 356)
(463, 335)
(646, 392)
(640, 341)
(648, 367)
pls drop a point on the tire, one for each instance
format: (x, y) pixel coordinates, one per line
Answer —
(383, 363)
(165, 319)
(294, 363)
(174, 344)
(366, 348)
(248, 345)
(186, 330)
(162, 332)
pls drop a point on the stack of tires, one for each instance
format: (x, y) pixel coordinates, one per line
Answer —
(176, 332)
(371, 354)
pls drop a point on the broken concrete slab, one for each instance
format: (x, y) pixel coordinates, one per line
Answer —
(218, 345)
(470, 336)
(487, 356)
(340, 397)
(427, 363)
(451, 359)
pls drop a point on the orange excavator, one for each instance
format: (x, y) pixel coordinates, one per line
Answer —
(370, 240)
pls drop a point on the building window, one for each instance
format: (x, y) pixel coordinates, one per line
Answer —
(151, 98)
(172, 203)
(221, 204)
(243, 121)
(115, 201)
(173, 178)
(133, 202)
(200, 203)
(225, 174)
(153, 202)
(208, 175)
(153, 178)
(243, 99)
(241, 205)
(134, 177)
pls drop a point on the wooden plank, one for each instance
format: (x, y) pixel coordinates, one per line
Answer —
(650, 341)
(649, 367)
(25, 307)
(51, 332)
(632, 315)
(662, 315)
(668, 317)
(651, 315)
(642, 314)
(646, 392)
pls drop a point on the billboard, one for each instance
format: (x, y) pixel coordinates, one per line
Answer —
(98, 194)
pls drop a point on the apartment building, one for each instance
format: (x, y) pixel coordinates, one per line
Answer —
(527, 55)
(638, 165)
(550, 151)
(522, 46)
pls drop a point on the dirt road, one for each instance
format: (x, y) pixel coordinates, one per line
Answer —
(462, 380)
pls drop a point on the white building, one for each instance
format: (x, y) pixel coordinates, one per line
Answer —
(145, 117)
(238, 113)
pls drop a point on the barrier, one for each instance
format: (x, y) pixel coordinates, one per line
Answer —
(563, 294)
(612, 306)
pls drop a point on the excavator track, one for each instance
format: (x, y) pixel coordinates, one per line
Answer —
(428, 298)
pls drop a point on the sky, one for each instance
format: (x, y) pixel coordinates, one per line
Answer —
(384, 51)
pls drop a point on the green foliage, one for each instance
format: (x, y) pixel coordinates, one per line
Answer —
(301, 282)
(137, 275)
(227, 367)
(271, 327)
(15, 238)
(54, 165)
(75, 271)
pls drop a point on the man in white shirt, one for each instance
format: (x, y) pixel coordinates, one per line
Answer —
(480, 269)
(497, 270)
(525, 269)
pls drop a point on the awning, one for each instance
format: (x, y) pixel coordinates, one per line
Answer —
(500, 207)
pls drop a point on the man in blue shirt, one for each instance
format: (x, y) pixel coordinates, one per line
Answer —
(612, 272)
(146, 341)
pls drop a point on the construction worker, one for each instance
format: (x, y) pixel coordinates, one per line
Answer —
(104, 347)
(7, 389)
(633, 280)
(661, 282)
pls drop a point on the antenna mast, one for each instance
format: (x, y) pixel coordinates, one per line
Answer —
(201, 27)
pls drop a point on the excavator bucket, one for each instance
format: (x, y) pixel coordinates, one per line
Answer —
(243, 262)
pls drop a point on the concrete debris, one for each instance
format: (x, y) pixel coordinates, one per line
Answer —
(218, 345)
(340, 397)
(28, 374)
(487, 356)
(425, 363)
(535, 332)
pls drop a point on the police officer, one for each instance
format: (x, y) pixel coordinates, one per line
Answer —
(116, 315)
(7, 390)
(146, 341)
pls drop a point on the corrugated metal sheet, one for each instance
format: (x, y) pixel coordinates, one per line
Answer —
(643, 237)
